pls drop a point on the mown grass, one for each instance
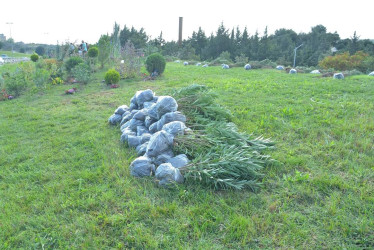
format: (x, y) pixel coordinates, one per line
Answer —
(15, 54)
(65, 182)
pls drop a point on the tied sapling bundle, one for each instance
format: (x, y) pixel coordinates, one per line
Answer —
(222, 157)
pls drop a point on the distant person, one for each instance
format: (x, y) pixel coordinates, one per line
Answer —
(72, 49)
(84, 47)
(80, 50)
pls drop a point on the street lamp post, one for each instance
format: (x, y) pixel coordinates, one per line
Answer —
(10, 32)
(294, 57)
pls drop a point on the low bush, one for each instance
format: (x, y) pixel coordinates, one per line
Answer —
(1, 82)
(34, 57)
(72, 62)
(3, 95)
(155, 63)
(241, 60)
(82, 73)
(93, 52)
(352, 72)
(49, 63)
(367, 65)
(131, 64)
(16, 82)
(57, 81)
(219, 61)
(225, 55)
(224, 58)
(169, 58)
(344, 61)
(268, 64)
(112, 76)
(41, 77)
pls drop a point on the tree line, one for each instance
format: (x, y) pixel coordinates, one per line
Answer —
(278, 47)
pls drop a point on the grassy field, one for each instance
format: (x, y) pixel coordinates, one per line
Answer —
(65, 182)
(15, 54)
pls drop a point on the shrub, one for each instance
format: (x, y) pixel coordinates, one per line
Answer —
(34, 57)
(267, 64)
(16, 83)
(241, 60)
(3, 94)
(344, 61)
(112, 76)
(72, 62)
(1, 82)
(93, 52)
(225, 55)
(82, 73)
(352, 72)
(367, 65)
(49, 63)
(57, 81)
(41, 64)
(131, 65)
(155, 63)
(54, 67)
(104, 48)
(41, 77)
(219, 61)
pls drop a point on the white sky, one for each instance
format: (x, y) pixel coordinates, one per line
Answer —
(49, 21)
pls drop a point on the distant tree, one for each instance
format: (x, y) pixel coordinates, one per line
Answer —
(104, 47)
(245, 45)
(138, 38)
(124, 35)
(277, 47)
(354, 46)
(264, 46)
(170, 49)
(255, 45)
(40, 50)
(158, 42)
(1, 44)
(199, 41)
(221, 42)
(187, 52)
(115, 42)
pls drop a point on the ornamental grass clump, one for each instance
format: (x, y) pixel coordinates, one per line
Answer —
(222, 157)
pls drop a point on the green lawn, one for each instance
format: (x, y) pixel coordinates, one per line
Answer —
(65, 182)
(15, 54)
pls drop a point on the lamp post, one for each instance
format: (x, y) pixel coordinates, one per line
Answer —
(10, 32)
(294, 57)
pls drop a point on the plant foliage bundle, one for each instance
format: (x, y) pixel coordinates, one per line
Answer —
(223, 157)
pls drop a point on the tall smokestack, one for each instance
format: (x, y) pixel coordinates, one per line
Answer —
(180, 31)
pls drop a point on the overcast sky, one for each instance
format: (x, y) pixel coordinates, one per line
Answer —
(49, 21)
